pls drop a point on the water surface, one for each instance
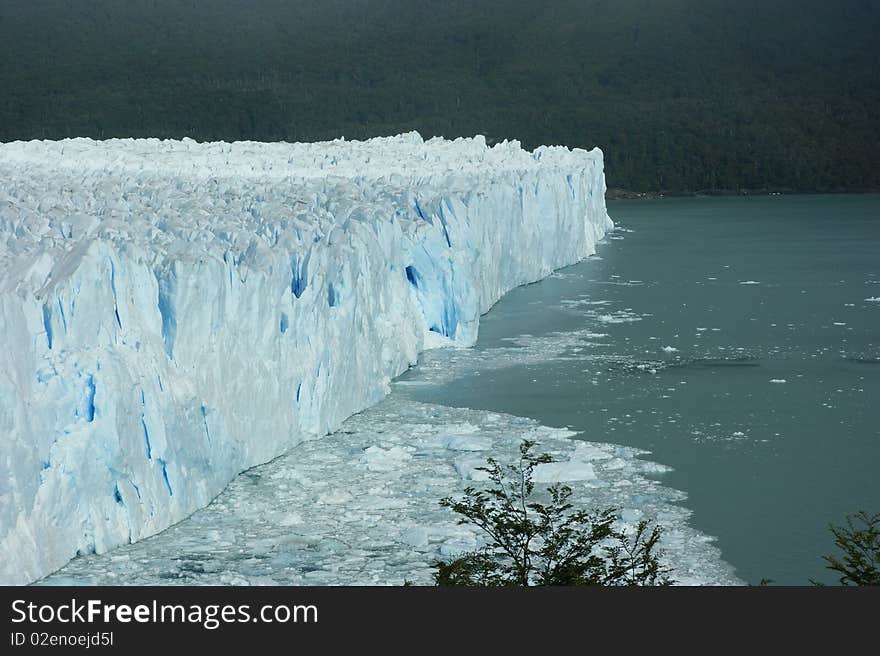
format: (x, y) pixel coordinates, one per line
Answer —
(735, 338)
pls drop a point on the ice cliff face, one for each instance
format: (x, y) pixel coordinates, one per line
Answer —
(172, 313)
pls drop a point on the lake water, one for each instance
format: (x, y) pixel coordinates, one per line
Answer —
(737, 339)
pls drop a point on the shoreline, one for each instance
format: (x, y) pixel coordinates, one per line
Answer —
(615, 193)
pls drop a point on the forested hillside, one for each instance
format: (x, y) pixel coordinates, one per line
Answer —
(680, 94)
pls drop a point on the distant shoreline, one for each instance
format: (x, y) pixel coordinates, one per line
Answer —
(614, 193)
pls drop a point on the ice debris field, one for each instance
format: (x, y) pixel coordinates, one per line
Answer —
(174, 313)
(361, 507)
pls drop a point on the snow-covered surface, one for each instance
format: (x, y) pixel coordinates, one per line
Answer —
(174, 313)
(361, 507)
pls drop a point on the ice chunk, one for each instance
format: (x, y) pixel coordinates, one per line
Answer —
(417, 536)
(467, 442)
(557, 472)
(379, 459)
(469, 468)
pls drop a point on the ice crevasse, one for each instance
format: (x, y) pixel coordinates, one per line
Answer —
(173, 313)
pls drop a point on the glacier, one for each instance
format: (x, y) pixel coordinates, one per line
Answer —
(174, 313)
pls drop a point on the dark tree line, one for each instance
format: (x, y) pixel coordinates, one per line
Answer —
(680, 94)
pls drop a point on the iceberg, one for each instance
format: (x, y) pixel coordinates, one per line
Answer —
(174, 312)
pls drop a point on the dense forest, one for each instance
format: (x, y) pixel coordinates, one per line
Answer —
(680, 94)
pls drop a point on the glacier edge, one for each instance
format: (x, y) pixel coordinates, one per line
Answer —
(176, 312)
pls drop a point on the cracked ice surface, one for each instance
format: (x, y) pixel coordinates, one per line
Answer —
(174, 313)
(360, 507)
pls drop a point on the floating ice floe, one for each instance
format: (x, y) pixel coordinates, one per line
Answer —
(322, 515)
(618, 317)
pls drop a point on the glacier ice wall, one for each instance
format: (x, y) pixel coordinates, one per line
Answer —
(173, 313)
